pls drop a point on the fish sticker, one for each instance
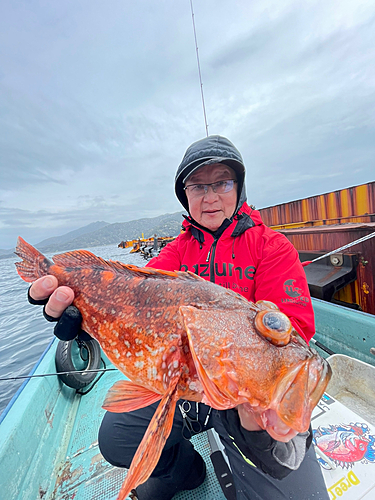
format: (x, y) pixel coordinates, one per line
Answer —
(176, 336)
(345, 444)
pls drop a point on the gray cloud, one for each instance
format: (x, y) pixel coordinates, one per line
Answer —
(100, 100)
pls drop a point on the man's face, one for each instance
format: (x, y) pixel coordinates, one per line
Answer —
(211, 209)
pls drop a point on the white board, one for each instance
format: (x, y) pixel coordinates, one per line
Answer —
(345, 447)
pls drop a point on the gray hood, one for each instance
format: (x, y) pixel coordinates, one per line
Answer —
(212, 149)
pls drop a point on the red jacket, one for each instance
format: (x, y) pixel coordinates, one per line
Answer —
(249, 258)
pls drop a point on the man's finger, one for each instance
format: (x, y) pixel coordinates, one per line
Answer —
(61, 298)
(42, 288)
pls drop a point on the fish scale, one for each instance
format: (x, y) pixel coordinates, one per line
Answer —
(175, 335)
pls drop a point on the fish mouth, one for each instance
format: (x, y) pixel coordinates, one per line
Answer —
(299, 393)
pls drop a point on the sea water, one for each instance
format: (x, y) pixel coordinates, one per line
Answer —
(24, 333)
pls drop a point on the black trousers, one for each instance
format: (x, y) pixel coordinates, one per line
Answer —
(121, 433)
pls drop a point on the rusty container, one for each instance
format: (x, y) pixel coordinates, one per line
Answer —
(323, 223)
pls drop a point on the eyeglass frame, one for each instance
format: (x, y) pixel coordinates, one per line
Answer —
(206, 186)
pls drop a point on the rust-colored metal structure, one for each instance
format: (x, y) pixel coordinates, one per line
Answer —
(323, 223)
(354, 204)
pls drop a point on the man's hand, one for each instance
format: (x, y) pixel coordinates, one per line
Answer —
(57, 302)
(275, 426)
(60, 297)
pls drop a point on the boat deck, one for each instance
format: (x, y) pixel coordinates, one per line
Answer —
(53, 453)
(48, 433)
(87, 476)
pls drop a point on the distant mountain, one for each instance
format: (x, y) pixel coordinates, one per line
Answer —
(163, 225)
(102, 233)
(59, 241)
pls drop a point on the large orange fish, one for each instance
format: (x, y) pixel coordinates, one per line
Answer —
(175, 335)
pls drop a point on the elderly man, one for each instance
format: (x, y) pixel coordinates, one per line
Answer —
(227, 243)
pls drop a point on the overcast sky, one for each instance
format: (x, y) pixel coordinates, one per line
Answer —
(99, 101)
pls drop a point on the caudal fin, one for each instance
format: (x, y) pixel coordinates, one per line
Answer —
(34, 264)
(152, 444)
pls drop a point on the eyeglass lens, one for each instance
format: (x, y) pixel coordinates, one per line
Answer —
(220, 187)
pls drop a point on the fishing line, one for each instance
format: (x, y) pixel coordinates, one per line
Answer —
(60, 373)
(199, 68)
(364, 238)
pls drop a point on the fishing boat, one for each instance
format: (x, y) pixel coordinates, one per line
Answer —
(48, 432)
(149, 247)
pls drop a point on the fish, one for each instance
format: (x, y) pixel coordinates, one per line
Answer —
(345, 444)
(177, 336)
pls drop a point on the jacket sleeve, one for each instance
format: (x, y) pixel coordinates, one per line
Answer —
(260, 450)
(169, 257)
(281, 279)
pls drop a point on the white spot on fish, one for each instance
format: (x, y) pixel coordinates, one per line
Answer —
(113, 311)
(175, 364)
(139, 364)
(128, 354)
(148, 314)
(138, 341)
(127, 343)
(139, 353)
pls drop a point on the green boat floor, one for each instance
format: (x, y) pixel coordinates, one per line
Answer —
(85, 475)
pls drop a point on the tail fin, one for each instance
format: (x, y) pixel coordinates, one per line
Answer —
(34, 264)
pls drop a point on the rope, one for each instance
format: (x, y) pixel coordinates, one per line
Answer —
(360, 240)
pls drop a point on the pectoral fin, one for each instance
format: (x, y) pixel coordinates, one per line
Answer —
(152, 444)
(126, 396)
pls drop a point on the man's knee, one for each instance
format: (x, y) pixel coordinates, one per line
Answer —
(116, 443)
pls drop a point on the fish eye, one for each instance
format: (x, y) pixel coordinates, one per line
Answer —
(274, 326)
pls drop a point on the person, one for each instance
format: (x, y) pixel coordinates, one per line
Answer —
(226, 242)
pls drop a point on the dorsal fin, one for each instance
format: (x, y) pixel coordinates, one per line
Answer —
(84, 258)
(79, 257)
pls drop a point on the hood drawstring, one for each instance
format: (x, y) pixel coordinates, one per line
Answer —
(237, 217)
(233, 255)
(209, 253)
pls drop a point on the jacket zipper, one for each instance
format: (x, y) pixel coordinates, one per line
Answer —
(212, 260)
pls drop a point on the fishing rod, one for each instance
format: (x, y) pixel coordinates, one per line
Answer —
(360, 240)
(19, 377)
(199, 68)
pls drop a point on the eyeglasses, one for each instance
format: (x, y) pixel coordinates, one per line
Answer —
(220, 187)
